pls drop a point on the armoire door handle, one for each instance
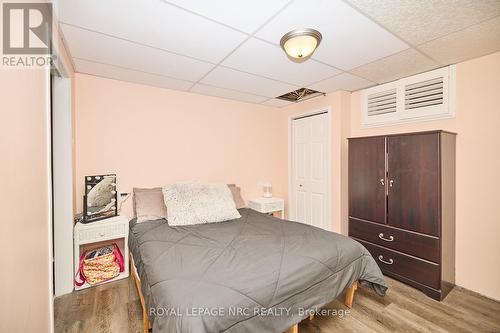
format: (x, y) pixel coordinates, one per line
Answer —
(382, 181)
(381, 236)
(391, 182)
(388, 262)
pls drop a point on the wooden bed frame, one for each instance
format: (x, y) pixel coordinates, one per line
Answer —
(349, 298)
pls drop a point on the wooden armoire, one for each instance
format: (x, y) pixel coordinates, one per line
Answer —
(402, 206)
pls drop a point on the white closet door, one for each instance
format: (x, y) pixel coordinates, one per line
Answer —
(301, 155)
(309, 170)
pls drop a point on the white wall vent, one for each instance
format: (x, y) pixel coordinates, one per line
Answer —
(426, 96)
(382, 102)
(424, 93)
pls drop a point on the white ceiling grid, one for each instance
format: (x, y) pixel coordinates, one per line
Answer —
(230, 49)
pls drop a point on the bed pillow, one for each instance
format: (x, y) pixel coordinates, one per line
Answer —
(236, 192)
(149, 204)
(198, 203)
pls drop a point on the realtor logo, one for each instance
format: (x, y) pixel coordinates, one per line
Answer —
(27, 28)
(27, 35)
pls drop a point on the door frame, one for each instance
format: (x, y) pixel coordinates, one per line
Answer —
(62, 182)
(61, 101)
(291, 118)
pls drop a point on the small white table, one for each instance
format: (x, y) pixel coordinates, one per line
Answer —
(268, 205)
(96, 234)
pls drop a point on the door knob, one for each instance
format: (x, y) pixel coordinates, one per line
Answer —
(300, 185)
(391, 182)
(382, 182)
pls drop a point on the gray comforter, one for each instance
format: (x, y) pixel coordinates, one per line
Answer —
(253, 274)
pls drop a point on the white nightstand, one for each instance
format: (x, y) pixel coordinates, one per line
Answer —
(268, 205)
(96, 234)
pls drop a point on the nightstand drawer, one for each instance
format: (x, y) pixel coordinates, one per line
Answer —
(266, 207)
(97, 233)
(272, 207)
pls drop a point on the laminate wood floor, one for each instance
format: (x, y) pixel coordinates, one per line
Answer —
(115, 308)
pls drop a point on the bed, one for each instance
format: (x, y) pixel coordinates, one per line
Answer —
(257, 273)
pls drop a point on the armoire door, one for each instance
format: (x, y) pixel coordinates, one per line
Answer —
(367, 179)
(413, 179)
(309, 171)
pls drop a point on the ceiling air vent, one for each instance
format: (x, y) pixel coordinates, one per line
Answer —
(300, 95)
(382, 103)
(425, 93)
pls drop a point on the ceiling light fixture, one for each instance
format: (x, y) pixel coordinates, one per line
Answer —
(300, 44)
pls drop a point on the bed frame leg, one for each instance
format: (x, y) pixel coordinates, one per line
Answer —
(293, 329)
(145, 321)
(146, 325)
(349, 296)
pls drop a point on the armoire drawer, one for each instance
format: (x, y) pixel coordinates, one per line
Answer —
(409, 267)
(422, 246)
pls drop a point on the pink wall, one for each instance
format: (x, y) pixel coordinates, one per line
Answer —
(25, 279)
(151, 137)
(478, 165)
(26, 223)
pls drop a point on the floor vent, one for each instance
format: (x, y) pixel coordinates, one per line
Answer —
(300, 95)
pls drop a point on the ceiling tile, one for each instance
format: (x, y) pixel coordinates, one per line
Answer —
(349, 38)
(242, 15)
(475, 41)
(344, 81)
(279, 103)
(396, 66)
(97, 47)
(262, 58)
(154, 23)
(226, 93)
(112, 72)
(249, 83)
(421, 21)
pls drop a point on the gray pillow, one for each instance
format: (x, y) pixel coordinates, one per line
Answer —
(236, 192)
(149, 204)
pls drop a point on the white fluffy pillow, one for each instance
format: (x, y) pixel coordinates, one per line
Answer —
(197, 203)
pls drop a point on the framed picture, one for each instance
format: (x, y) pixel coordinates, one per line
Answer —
(100, 200)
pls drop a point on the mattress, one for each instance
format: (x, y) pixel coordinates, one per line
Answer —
(252, 274)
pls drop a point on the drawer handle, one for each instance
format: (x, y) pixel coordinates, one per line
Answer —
(101, 234)
(381, 236)
(389, 262)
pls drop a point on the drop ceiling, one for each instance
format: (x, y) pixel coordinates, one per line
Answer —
(230, 49)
